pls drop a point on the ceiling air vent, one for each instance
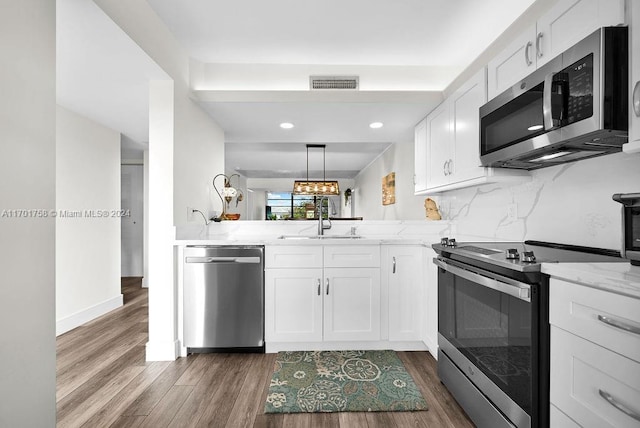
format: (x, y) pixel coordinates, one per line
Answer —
(333, 82)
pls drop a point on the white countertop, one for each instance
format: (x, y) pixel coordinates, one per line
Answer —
(269, 233)
(621, 278)
(275, 240)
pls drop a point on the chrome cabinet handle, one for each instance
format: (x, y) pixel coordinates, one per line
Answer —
(327, 286)
(636, 99)
(624, 409)
(527, 50)
(319, 283)
(394, 265)
(619, 324)
(444, 168)
(538, 45)
(450, 169)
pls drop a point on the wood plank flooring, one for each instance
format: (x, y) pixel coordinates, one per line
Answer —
(103, 380)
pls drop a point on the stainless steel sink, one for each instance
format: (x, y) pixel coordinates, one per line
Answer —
(324, 237)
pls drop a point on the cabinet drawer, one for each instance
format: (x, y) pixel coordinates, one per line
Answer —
(352, 256)
(557, 419)
(581, 372)
(590, 313)
(293, 256)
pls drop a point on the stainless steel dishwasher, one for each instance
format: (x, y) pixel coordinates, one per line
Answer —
(224, 298)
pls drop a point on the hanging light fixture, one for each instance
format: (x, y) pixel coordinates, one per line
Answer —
(316, 187)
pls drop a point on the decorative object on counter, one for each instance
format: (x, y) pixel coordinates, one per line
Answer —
(316, 187)
(341, 381)
(227, 193)
(431, 209)
(389, 189)
(347, 197)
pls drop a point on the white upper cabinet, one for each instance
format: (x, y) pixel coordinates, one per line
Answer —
(633, 146)
(452, 141)
(565, 24)
(439, 147)
(513, 63)
(420, 157)
(465, 129)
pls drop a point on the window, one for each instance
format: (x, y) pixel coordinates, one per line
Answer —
(285, 206)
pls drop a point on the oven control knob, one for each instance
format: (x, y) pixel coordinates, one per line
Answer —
(444, 242)
(512, 253)
(452, 242)
(527, 256)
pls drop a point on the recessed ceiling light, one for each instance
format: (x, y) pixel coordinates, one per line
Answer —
(376, 125)
(286, 125)
(535, 127)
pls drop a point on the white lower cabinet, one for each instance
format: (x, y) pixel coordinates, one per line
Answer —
(430, 335)
(320, 303)
(352, 304)
(403, 271)
(595, 357)
(293, 305)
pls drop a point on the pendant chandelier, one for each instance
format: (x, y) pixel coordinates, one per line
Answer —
(316, 187)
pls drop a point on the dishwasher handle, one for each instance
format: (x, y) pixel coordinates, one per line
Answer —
(222, 260)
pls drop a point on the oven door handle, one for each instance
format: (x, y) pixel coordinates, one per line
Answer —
(517, 289)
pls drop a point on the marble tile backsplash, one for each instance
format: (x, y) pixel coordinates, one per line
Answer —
(569, 203)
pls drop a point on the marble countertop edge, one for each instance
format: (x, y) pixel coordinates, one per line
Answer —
(621, 278)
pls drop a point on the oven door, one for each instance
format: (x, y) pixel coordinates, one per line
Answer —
(485, 327)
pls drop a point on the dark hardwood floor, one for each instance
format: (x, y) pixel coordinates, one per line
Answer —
(104, 381)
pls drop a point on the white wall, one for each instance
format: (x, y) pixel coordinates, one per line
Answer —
(198, 140)
(27, 244)
(191, 156)
(87, 246)
(368, 195)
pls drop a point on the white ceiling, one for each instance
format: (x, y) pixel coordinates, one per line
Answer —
(100, 72)
(367, 32)
(103, 74)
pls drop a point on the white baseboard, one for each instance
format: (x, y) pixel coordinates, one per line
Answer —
(145, 282)
(162, 351)
(271, 347)
(86, 315)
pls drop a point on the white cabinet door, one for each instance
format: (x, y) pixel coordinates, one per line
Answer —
(293, 305)
(404, 276)
(420, 157)
(594, 386)
(570, 21)
(512, 64)
(431, 287)
(465, 103)
(633, 146)
(352, 304)
(565, 24)
(438, 146)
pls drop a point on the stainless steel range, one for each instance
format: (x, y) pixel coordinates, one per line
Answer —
(493, 326)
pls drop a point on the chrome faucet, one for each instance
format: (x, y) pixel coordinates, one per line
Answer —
(321, 225)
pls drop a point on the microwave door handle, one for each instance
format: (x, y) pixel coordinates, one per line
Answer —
(517, 289)
(547, 113)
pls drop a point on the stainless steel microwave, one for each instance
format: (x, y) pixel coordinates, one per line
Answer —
(630, 225)
(574, 107)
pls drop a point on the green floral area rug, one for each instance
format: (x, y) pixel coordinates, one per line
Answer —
(341, 381)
